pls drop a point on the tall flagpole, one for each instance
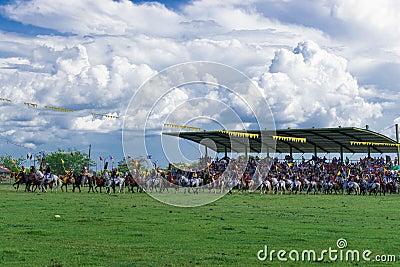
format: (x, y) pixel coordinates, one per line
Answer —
(90, 148)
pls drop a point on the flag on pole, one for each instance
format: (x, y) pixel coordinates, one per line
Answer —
(101, 159)
(62, 162)
(13, 161)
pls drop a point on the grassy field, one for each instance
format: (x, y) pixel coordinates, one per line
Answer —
(136, 230)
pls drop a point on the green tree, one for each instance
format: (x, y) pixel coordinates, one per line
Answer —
(60, 160)
(11, 163)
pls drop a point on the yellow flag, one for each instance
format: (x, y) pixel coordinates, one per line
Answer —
(13, 161)
(62, 161)
(290, 164)
(339, 173)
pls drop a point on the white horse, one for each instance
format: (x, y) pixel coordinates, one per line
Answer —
(282, 186)
(297, 186)
(374, 188)
(45, 180)
(274, 185)
(351, 186)
(153, 183)
(118, 181)
(112, 182)
(195, 183)
(265, 187)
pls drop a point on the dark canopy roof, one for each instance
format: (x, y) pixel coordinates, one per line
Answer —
(325, 140)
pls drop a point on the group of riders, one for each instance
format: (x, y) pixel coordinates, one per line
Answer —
(368, 175)
(43, 179)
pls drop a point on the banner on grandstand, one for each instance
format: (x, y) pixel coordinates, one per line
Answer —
(182, 126)
(239, 134)
(289, 139)
(359, 143)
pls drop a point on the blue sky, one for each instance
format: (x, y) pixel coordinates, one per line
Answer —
(317, 63)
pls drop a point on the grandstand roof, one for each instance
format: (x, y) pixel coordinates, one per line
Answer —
(325, 140)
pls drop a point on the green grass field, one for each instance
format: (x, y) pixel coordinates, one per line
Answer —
(136, 230)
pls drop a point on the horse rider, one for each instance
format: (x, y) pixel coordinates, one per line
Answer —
(115, 174)
(84, 169)
(47, 172)
(20, 175)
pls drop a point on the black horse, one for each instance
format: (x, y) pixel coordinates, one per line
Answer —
(77, 184)
(20, 178)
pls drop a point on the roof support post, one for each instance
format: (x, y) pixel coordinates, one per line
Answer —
(246, 153)
(369, 151)
(341, 153)
(291, 151)
(206, 154)
(226, 152)
(315, 151)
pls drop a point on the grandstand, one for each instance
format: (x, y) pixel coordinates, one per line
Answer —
(308, 140)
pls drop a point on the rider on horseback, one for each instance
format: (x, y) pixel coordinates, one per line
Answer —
(21, 174)
(47, 172)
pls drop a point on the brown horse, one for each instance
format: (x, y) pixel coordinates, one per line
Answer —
(100, 182)
(66, 180)
(132, 183)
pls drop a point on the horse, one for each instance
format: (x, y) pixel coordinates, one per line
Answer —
(50, 180)
(90, 181)
(77, 183)
(306, 185)
(351, 186)
(195, 183)
(54, 182)
(112, 182)
(154, 183)
(338, 185)
(275, 185)
(41, 178)
(327, 187)
(68, 179)
(131, 183)
(374, 188)
(20, 178)
(265, 187)
(315, 185)
(184, 182)
(282, 186)
(247, 184)
(297, 186)
(100, 182)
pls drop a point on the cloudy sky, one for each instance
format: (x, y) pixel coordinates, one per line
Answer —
(317, 63)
